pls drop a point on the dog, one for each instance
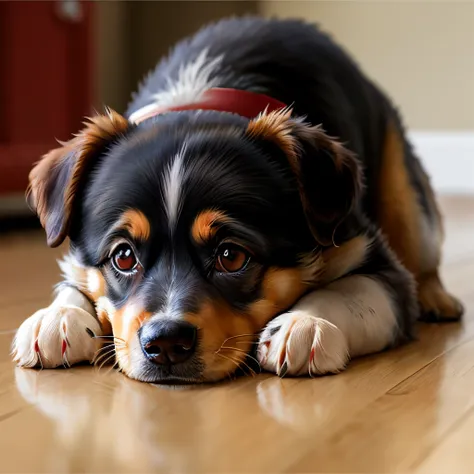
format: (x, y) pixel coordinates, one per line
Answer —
(258, 200)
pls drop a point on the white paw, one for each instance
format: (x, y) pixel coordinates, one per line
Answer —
(56, 336)
(297, 343)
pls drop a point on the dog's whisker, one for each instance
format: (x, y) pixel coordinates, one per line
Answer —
(109, 337)
(120, 344)
(247, 342)
(106, 360)
(239, 364)
(252, 372)
(235, 337)
(115, 366)
(229, 376)
(105, 363)
(103, 355)
(117, 344)
(103, 348)
(228, 358)
(244, 352)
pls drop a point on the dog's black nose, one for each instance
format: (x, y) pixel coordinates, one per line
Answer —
(168, 342)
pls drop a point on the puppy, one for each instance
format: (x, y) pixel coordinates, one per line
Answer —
(259, 192)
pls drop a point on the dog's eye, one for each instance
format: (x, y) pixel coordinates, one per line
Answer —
(231, 258)
(124, 259)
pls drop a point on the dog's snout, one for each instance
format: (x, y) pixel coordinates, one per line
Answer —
(168, 342)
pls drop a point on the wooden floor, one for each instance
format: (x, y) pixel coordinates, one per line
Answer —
(409, 410)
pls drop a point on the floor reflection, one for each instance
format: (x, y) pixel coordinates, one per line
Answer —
(104, 422)
(107, 422)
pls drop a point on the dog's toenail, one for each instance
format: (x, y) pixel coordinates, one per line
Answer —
(273, 331)
(284, 369)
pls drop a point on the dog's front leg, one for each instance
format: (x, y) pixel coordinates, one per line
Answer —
(353, 316)
(62, 334)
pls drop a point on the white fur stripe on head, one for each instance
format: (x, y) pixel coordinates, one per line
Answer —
(173, 188)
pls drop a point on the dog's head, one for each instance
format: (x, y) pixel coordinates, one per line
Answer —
(194, 229)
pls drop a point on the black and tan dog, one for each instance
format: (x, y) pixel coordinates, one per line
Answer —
(220, 211)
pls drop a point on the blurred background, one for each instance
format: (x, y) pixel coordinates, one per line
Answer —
(62, 59)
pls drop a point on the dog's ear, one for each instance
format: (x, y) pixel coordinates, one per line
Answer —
(56, 179)
(328, 175)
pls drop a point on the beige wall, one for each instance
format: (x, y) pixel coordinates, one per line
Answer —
(421, 53)
(112, 55)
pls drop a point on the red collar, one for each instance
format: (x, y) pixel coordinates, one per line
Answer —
(244, 103)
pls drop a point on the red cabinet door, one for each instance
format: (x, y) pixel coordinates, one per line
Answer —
(45, 82)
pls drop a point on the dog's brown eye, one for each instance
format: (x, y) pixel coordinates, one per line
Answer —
(231, 258)
(124, 259)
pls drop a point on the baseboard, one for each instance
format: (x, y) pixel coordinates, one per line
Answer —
(448, 158)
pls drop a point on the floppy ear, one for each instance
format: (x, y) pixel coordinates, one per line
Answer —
(58, 176)
(328, 175)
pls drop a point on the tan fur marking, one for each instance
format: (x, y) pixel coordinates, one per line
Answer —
(206, 225)
(312, 267)
(91, 282)
(218, 322)
(127, 320)
(96, 286)
(125, 323)
(399, 212)
(341, 260)
(104, 310)
(230, 332)
(85, 145)
(281, 289)
(283, 286)
(136, 223)
(414, 239)
(276, 127)
(98, 132)
(428, 191)
(88, 280)
(286, 132)
(434, 299)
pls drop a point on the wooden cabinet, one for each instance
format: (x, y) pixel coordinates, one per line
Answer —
(45, 81)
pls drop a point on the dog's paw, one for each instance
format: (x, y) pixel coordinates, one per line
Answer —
(436, 304)
(297, 343)
(56, 336)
